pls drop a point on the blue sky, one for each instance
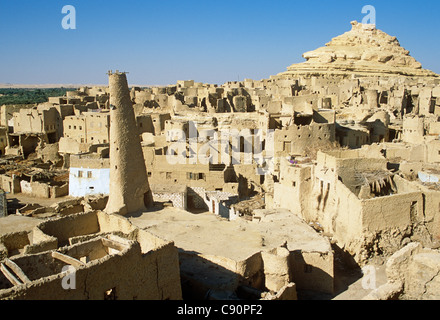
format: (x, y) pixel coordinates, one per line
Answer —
(160, 42)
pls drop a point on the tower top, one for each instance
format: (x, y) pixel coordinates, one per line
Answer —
(110, 72)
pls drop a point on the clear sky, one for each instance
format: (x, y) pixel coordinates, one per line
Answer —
(160, 42)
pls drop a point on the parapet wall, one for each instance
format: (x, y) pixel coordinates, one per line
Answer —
(135, 265)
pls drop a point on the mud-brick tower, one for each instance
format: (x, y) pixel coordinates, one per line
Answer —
(129, 188)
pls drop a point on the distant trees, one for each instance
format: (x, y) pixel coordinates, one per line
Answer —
(30, 96)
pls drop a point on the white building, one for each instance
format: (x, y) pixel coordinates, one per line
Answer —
(88, 176)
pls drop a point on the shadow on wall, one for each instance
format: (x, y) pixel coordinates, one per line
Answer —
(202, 279)
(195, 202)
(13, 204)
(347, 270)
(312, 283)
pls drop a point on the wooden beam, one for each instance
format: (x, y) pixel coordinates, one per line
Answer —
(67, 259)
(14, 267)
(9, 275)
(114, 244)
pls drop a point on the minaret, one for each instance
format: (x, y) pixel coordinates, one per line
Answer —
(129, 188)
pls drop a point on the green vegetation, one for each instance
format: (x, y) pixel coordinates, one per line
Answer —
(30, 96)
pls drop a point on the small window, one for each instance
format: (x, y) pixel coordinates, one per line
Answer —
(89, 174)
(80, 174)
(168, 175)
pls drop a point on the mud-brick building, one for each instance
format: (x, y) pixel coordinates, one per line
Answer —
(88, 256)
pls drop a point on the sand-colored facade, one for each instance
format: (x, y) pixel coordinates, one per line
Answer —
(340, 151)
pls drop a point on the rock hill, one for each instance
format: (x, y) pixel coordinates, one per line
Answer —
(363, 51)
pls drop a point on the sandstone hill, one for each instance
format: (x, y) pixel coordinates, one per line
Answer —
(362, 51)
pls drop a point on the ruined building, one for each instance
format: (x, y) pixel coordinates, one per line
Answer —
(347, 175)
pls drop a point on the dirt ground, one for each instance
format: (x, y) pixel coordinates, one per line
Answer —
(17, 201)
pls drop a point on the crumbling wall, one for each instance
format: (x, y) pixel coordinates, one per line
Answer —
(312, 271)
(273, 269)
(59, 191)
(49, 153)
(40, 190)
(413, 274)
(10, 184)
(343, 219)
(431, 207)
(148, 269)
(276, 268)
(303, 140)
(26, 243)
(93, 280)
(293, 190)
(41, 242)
(396, 211)
(14, 243)
(70, 226)
(387, 221)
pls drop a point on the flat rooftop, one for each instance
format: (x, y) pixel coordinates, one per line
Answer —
(15, 223)
(208, 234)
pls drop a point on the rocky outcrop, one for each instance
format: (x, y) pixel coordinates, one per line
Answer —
(363, 51)
(413, 274)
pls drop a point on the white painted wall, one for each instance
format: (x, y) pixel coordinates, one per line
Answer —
(98, 183)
